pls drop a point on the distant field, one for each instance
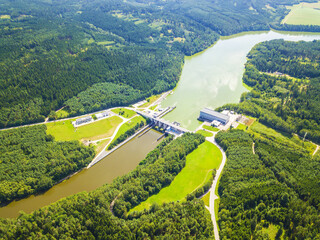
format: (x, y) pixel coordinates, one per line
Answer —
(64, 130)
(303, 14)
(197, 171)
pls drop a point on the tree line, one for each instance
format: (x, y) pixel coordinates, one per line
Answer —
(276, 186)
(32, 161)
(88, 215)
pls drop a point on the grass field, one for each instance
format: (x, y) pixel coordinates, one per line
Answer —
(151, 100)
(271, 231)
(241, 126)
(101, 145)
(197, 171)
(210, 128)
(205, 133)
(206, 199)
(130, 124)
(64, 130)
(62, 114)
(303, 14)
(127, 113)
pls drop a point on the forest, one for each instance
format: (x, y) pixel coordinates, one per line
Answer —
(56, 54)
(275, 188)
(285, 82)
(32, 161)
(102, 214)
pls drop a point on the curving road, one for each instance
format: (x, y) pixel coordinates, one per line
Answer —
(212, 190)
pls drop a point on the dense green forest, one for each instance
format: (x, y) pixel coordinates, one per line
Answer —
(286, 86)
(31, 161)
(277, 187)
(57, 53)
(89, 215)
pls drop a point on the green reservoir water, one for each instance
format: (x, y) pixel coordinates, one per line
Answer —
(214, 77)
(120, 162)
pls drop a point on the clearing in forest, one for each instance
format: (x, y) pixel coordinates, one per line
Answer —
(198, 169)
(303, 14)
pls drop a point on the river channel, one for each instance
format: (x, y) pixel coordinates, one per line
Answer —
(120, 162)
(213, 77)
(209, 79)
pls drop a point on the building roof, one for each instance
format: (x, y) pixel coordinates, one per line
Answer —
(215, 113)
(102, 114)
(84, 118)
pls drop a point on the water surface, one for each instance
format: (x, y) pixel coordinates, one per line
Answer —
(213, 77)
(120, 162)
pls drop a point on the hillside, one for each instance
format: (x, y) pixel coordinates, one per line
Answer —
(54, 52)
(270, 186)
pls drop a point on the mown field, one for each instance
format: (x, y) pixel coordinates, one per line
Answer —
(303, 14)
(64, 130)
(199, 165)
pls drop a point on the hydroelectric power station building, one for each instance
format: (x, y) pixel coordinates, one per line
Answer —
(210, 115)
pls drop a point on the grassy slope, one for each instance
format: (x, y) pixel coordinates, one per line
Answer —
(197, 170)
(64, 130)
(303, 14)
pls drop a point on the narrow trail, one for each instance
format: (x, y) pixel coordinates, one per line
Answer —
(212, 190)
(315, 151)
(113, 202)
(253, 144)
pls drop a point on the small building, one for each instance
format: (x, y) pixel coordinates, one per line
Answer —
(102, 115)
(215, 123)
(83, 120)
(210, 115)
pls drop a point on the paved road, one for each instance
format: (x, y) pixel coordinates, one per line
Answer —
(212, 190)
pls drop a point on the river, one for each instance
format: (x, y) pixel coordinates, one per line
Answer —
(209, 79)
(213, 77)
(120, 162)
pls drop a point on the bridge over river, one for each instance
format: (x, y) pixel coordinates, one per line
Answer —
(169, 127)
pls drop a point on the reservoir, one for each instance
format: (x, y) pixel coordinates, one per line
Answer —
(118, 163)
(213, 77)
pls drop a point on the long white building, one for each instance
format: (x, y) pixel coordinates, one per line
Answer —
(210, 115)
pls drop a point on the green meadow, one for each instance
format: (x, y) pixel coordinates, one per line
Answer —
(128, 125)
(210, 128)
(64, 130)
(205, 133)
(199, 165)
